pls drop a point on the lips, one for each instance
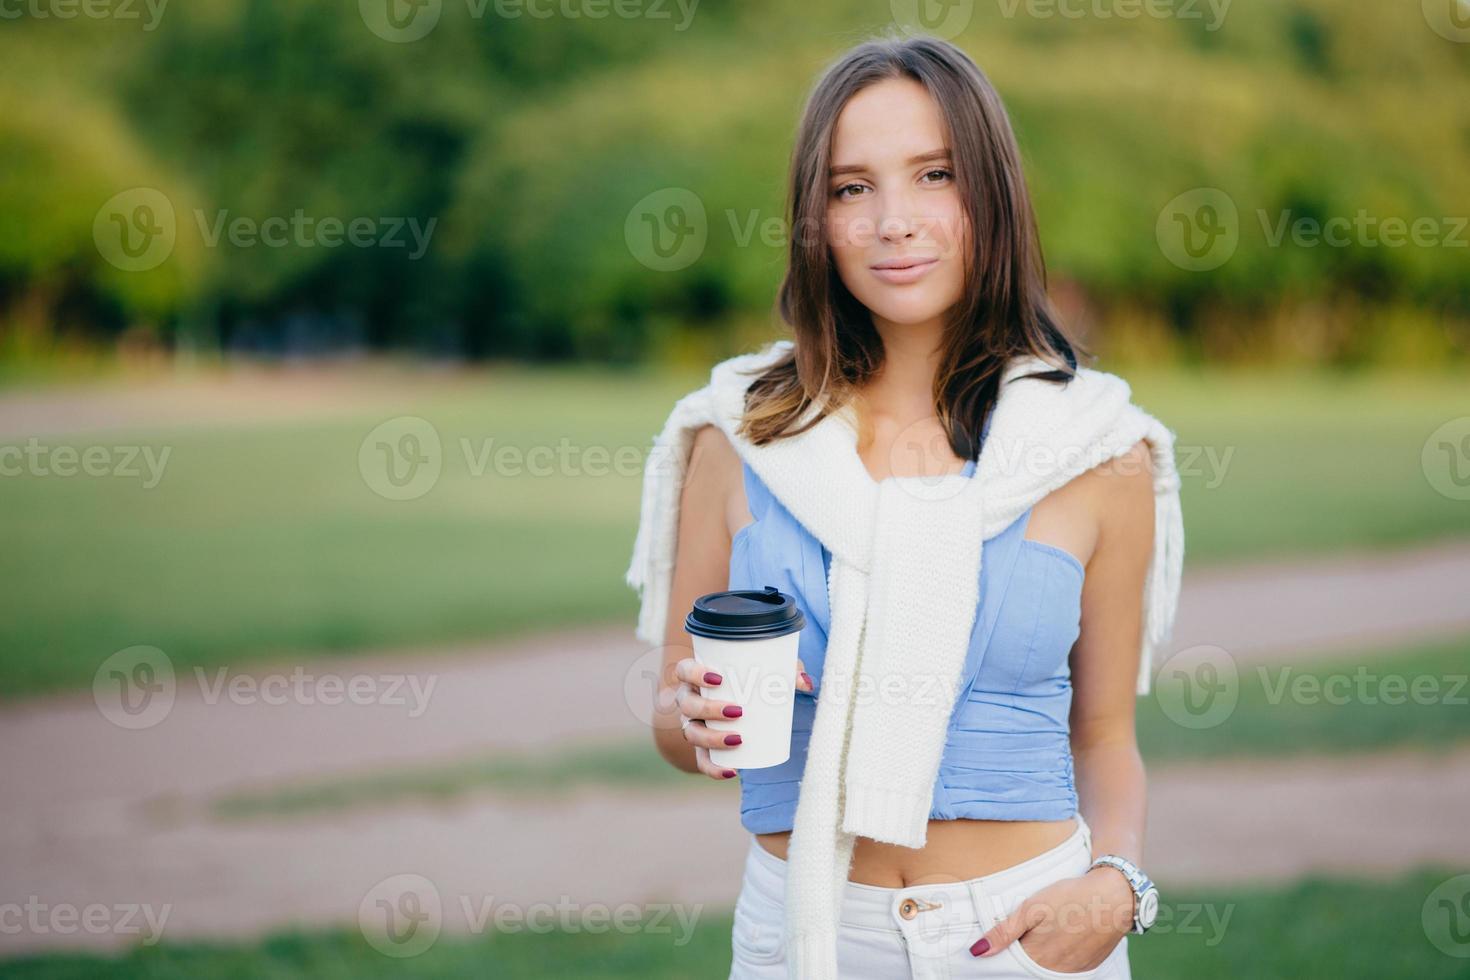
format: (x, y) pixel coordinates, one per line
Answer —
(908, 262)
(904, 270)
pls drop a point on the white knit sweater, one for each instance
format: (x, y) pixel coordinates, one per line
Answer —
(903, 590)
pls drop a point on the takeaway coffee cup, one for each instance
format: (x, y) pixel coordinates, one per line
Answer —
(750, 638)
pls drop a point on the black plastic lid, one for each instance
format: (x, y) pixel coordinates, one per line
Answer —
(744, 614)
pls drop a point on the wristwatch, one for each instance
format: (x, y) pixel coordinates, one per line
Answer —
(1145, 895)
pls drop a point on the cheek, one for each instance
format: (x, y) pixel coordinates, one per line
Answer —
(948, 230)
(849, 249)
(845, 233)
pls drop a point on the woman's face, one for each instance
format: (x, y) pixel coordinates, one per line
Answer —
(892, 200)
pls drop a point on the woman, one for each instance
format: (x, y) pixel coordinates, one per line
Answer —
(916, 293)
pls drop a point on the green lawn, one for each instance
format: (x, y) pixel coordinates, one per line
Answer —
(263, 541)
(1416, 697)
(1338, 929)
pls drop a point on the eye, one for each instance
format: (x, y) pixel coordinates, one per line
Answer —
(845, 187)
(940, 170)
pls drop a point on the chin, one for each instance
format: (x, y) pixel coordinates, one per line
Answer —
(906, 310)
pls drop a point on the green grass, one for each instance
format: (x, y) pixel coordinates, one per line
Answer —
(262, 541)
(1342, 929)
(1416, 697)
(1318, 462)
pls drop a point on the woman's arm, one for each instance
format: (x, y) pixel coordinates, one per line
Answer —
(1111, 786)
(701, 565)
(1075, 923)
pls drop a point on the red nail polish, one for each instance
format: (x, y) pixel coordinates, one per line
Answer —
(732, 739)
(711, 678)
(729, 773)
(808, 678)
(980, 947)
(733, 711)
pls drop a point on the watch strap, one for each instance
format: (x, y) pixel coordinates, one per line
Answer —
(1137, 881)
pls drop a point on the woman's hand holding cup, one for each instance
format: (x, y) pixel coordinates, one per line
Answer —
(694, 708)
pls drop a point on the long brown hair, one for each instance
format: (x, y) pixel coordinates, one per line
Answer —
(1004, 311)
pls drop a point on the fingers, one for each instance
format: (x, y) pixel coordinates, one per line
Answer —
(691, 703)
(701, 759)
(693, 673)
(1004, 932)
(693, 676)
(696, 708)
(699, 734)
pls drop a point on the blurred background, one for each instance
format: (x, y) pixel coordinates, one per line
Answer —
(333, 341)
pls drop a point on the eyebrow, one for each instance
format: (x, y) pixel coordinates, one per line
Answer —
(848, 168)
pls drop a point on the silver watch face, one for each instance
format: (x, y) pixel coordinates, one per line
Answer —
(1148, 908)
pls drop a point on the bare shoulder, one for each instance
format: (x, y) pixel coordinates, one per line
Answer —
(715, 475)
(1123, 487)
(1130, 469)
(712, 454)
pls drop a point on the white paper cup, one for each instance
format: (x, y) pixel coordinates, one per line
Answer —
(750, 638)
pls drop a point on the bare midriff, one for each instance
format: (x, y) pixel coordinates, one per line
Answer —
(956, 850)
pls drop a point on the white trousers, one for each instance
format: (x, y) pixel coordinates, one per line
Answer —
(923, 932)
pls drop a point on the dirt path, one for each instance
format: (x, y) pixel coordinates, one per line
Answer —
(80, 793)
(477, 700)
(1301, 609)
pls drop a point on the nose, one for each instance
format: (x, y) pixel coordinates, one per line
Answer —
(900, 218)
(895, 228)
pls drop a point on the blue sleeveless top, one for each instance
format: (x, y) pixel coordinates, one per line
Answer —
(1007, 755)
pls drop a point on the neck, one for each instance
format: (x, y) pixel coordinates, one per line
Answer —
(903, 388)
